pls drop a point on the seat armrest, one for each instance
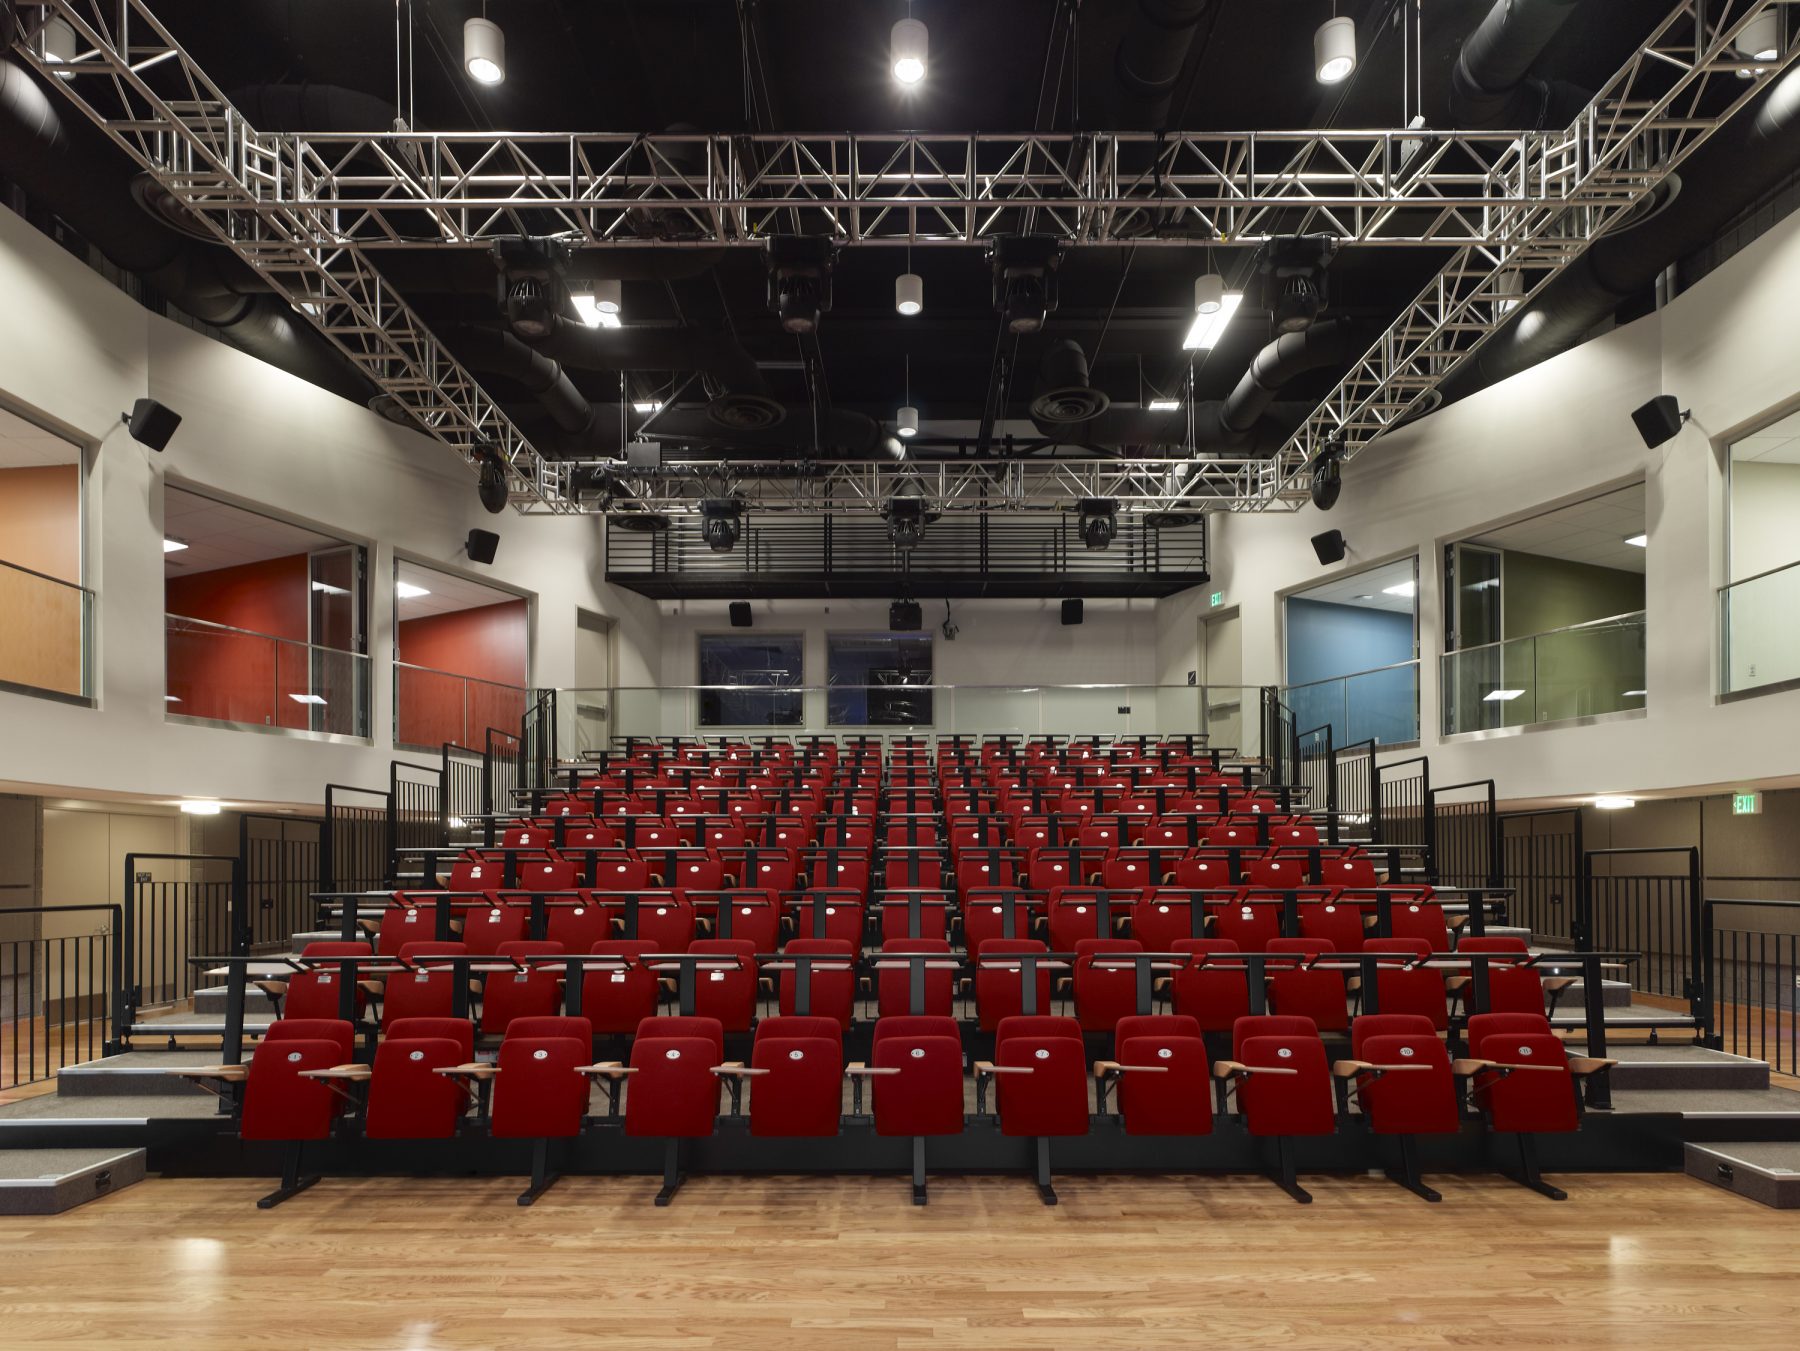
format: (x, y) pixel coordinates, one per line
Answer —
(608, 1069)
(1348, 1069)
(737, 1071)
(861, 1070)
(357, 1073)
(275, 989)
(470, 1071)
(989, 1067)
(232, 1074)
(1588, 1064)
(1224, 1069)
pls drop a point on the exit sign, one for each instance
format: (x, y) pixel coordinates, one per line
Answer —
(1218, 599)
(1746, 804)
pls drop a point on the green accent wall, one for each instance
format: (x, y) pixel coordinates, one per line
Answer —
(1538, 594)
(1568, 675)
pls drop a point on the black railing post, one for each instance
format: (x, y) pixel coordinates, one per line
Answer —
(239, 924)
(135, 993)
(122, 1014)
(1699, 1004)
(1581, 930)
(328, 846)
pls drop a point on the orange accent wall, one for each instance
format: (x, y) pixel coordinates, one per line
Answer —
(40, 519)
(236, 676)
(487, 643)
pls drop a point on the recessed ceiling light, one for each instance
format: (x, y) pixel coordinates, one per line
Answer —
(1403, 589)
(1501, 696)
(1633, 694)
(1614, 804)
(1638, 541)
(173, 546)
(307, 699)
(1164, 405)
(407, 591)
(171, 699)
(329, 589)
(198, 807)
(1206, 330)
(646, 406)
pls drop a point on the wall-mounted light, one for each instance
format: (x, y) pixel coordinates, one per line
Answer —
(407, 591)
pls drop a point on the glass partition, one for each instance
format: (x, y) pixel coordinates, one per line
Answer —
(1759, 638)
(434, 708)
(1576, 672)
(1381, 705)
(49, 630)
(224, 674)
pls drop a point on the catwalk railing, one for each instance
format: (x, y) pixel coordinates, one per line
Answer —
(62, 989)
(1753, 966)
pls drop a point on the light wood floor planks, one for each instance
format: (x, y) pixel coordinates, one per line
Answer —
(801, 1263)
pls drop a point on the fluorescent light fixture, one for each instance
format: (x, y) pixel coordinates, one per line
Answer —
(307, 699)
(171, 699)
(1501, 696)
(407, 591)
(1634, 694)
(1334, 49)
(173, 546)
(457, 823)
(1609, 803)
(484, 51)
(1403, 589)
(908, 45)
(328, 589)
(200, 807)
(593, 311)
(1206, 330)
(646, 406)
(1638, 541)
(1164, 405)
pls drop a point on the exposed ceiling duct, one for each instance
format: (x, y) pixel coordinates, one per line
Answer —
(1751, 153)
(1150, 57)
(1491, 84)
(1290, 355)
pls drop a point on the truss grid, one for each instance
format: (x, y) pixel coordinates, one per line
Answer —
(313, 213)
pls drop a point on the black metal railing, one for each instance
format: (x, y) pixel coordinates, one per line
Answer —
(281, 871)
(1540, 859)
(353, 851)
(1280, 738)
(168, 919)
(416, 817)
(1317, 775)
(1465, 833)
(1403, 807)
(61, 994)
(500, 762)
(1753, 976)
(1353, 773)
(537, 737)
(1657, 913)
(464, 793)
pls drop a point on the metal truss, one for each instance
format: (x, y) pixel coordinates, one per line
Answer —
(1048, 484)
(1679, 88)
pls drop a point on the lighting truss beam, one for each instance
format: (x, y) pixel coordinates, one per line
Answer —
(1639, 128)
(136, 83)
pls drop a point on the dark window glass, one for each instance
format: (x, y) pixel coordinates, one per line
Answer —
(878, 680)
(751, 681)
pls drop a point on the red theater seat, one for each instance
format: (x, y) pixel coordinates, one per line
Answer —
(830, 985)
(315, 993)
(1104, 994)
(540, 1095)
(615, 1001)
(916, 1071)
(1299, 989)
(999, 986)
(1283, 1086)
(408, 1099)
(422, 991)
(1214, 995)
(726, 992)
(1525, 1083)
(532, 991)
(1402, 1079)
(894, 983)
(1040, 1069)
(1159, 1063)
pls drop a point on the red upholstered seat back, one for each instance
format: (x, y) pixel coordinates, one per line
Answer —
(545, 875)
(1525, 1100)
(1159, 921)
(459, 1030)
(1287, 1104)
(726, 993)
(1410, 1101)
(314, 993)
(1418, 991)
(538, 1094)
(1268, 1025)
(1420, 919)
(831, 986)
(1339, 925)
(999, 987)
(278, 1103)
(1052, 1099)
(1103, 995)
(1355, 870)
(1175, 1097)
(665, 920)
(674, 1092)
(1252, 925)
(926, 1096)
(617, 1001)
(578, 927)
(984, 917)
(1511, 989)
(407, 1100)
(894, 984)
(334, 1030)
(709, 1030)
(1215, 997)
(485, 928)
(802, 1093)
(1315, 994)
(532, 992)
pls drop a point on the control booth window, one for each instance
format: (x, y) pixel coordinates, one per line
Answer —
(878, 680)
(750, 681)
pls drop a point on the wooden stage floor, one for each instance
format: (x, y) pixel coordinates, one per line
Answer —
(798, 1263)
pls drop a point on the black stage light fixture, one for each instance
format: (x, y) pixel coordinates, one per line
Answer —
(719, 517)
(1071, 611)
(1099, 521)
(1295, 266)
(905, 616)
(740, 614)
(151, 423)
(1659, 420)
(532, 292)
(1025, 279)
(799, 280)
(905, 521)
(1330, 546)
(1328, 475)
(482, 545)
(491, 485)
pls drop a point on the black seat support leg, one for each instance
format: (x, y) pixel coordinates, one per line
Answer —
(1287, 1175)
(1045, 1190)
(1528, 1174)
(918, 1173)
(1407, 1175)
(292, 1184)
(671, 1172)
(542, 1179)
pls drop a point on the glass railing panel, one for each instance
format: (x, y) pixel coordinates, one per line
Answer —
(225, 674)
(1759, 638)
(436, 708)
(48, 626)
(1578, 672)
(1379, 705)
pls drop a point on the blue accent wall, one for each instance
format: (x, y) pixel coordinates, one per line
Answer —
(1325, 640)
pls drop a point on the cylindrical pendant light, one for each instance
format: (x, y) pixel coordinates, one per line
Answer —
(59, 42)
(906, 421)
(909, 293)
(907, 47)
(1209, 293)
(484, 51)
(1334, 49)
(1760, 39)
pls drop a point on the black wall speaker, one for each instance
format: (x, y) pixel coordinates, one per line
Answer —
(1658, 420)
(151, 423)
(904, 616)
(1071, 611)
(481, 546)
(1329, 546)
(740, 614)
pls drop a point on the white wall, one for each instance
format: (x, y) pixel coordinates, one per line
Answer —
(1559, 432)
(1022, 644)
(74, 352)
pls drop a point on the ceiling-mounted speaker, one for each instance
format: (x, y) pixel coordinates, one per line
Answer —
(904, 616)
(1330, 546)
(1659, 420)
(1071, 611)
(151, 423)
(740, 614)
(482, 545)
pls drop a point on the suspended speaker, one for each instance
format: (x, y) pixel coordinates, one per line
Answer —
(1329, 546)
(151, 423)
(481, 546)
(740, 614)
(904, 616)
(1071, 611)
(1659, 420)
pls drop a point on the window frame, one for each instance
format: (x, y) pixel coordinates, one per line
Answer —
(865, 635)
(702, 688)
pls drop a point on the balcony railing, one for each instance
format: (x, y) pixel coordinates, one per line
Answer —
(1380, 705)
(223, 674)
(1759, 643)
(433, 708)
(1576, 672)
(48, 627)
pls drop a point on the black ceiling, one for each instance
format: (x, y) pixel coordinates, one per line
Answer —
(612, 65)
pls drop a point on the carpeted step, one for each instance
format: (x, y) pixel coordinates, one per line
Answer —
(1764, 1171)
(50, 1181)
